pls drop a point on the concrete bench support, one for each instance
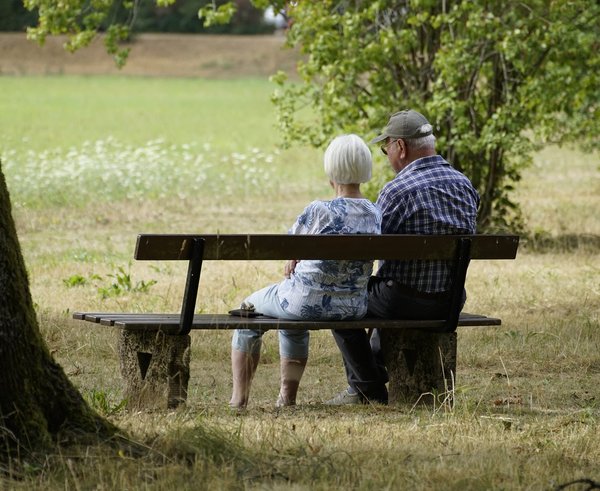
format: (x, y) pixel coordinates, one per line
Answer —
(421, 366)
(155, 367)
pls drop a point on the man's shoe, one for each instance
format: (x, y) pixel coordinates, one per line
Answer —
(344, 398)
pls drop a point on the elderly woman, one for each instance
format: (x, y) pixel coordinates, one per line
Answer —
(313, 289)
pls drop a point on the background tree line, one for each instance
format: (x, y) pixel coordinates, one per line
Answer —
(180, 16)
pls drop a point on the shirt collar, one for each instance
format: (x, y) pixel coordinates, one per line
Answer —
(423, 163)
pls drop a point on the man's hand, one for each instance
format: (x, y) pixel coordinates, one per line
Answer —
(290, 267)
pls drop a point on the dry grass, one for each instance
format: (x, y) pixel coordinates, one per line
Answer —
(527, 398)
(165, 55)
(560, 193)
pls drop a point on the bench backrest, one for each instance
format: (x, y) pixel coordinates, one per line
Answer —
(197, 248)
(279, 246)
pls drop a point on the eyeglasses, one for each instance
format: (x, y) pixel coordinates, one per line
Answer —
(384, 147)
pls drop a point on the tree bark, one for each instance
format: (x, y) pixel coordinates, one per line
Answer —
(39, 406)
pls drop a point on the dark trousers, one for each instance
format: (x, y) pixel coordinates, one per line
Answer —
(363, 359)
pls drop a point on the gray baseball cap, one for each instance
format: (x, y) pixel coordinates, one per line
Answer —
(405, 124)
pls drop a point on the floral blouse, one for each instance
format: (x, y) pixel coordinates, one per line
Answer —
(331, 289)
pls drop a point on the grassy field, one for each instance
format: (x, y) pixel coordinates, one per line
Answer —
(92, 161)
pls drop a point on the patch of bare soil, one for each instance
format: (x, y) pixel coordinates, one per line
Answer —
(165, 55)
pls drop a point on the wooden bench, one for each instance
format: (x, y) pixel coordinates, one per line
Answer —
(155, 348)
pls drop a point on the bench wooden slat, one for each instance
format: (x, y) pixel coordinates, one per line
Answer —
(108, 319)
(169, 323)
(282, 246)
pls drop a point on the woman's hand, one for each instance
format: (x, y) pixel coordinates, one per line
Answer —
(290, 267)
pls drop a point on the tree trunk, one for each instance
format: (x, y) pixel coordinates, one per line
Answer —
(38, 404)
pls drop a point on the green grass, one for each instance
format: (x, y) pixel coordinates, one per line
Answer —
(527, 412)
(71, 140)
(40, 113)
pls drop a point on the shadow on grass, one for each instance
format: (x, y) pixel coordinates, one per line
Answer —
(194, 456)
(292, 461)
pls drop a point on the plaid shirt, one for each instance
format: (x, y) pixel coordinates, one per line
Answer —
(426, 197)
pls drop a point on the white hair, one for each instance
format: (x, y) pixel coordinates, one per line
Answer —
(424, 143)
(348, 160)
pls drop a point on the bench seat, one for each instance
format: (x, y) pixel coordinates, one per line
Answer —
(169, 323)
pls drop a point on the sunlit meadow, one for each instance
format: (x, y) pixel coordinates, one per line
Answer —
(110, 170)
(92, 161)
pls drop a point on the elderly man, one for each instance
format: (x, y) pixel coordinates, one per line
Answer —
(427, 196)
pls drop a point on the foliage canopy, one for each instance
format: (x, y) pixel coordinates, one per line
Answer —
(494, 78)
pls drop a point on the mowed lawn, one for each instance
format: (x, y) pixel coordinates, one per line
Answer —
(92, 161)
